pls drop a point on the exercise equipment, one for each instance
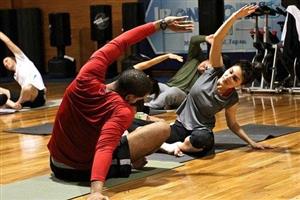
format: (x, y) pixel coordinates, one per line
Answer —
(274, 72)
(101, 24)
(296, 67)
(257, 38)
(101, 31)
(60, 66)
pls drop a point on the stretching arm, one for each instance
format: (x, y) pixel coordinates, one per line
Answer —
(12, 47)
(230, 114)
(149, 63)
(116, 47)
(103, 57)
(219, 36)
(194, 47)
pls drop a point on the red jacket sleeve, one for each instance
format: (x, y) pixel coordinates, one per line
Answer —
(110, 136)
(102, 58)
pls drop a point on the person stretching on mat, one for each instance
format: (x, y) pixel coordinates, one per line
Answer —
(146, 65)
(172, 93)
(212, 92)
(33, 90)
(86, 142)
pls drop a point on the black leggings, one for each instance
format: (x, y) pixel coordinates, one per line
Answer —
(38, 101)
(199, 138)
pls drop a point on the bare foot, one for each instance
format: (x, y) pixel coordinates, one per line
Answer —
(17, 106)
(172, 149)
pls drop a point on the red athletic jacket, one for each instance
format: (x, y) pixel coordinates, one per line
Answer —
(90, 120)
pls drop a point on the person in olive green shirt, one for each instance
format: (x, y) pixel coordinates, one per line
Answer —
(174, 91)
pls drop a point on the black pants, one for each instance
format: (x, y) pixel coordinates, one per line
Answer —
(38, 101)
(138, 123)
(117, 169)
(199, 138)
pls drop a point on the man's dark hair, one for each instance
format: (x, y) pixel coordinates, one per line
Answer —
(155, 87)
(3, 99)
(250, 71)
(134, 82)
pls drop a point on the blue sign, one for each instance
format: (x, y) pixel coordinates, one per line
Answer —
(169, 41)
(238, 39)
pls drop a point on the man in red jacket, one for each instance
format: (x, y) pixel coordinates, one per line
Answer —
(87, 142)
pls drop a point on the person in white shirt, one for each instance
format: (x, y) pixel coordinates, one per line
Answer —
(33, 90)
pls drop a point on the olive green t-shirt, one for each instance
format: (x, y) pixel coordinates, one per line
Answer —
(187, 75)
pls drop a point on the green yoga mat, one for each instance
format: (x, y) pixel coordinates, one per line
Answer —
(49, 188)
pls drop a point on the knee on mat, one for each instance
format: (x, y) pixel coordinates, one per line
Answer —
(28, 88)
(28, 92)
(202, 139)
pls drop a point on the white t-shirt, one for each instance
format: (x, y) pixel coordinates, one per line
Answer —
(295, 12)
(26, 73)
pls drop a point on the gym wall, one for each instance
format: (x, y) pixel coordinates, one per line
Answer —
(5, 4)
(82, 45)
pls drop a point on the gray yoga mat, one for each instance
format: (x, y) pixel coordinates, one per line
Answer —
(226, 140)
(156, 112)
(41, 129)
(48, 187)
(48, 104)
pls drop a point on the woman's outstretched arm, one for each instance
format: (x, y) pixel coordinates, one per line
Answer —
(216, 48)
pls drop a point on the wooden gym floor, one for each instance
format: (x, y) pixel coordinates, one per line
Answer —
(242, 173)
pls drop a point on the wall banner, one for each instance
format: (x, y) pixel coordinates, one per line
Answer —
(238, 39)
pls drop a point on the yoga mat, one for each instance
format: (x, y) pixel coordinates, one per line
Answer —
(48, 104)
(226, 140)
(49, 188)
(4, 111)
(41, 129)
(156, 112)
